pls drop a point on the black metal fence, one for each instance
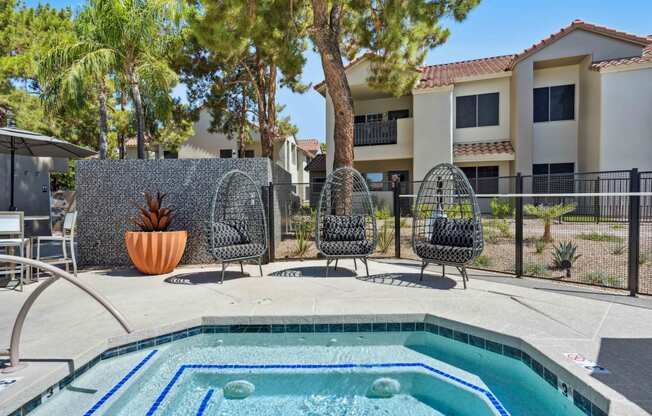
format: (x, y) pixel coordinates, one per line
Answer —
(606, 238)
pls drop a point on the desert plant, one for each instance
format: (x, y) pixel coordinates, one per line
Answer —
(601, 278)
(535, 269)
(616, 227)
(503, 227)
(483, 261)
(463, 210)
(619, 249)
(491, 237)
(564, 255)
(501, 208)
(383, 214)
(547, 213)
(539, 246)
(643, 259)
(305, 227)
(385, 237)
(594, 236)
(153, 217)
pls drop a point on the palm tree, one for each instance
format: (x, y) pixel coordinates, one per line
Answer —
(547, 213)
(75, 69)
(137, 33)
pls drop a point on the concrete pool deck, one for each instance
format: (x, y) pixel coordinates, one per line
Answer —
(66, 328)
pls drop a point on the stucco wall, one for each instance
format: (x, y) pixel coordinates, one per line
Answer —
(433, 130)
(486, 133)
(588, 140)
(382, 105)
(626, 120)
(556, 141)
(106, 187)
(402, 149)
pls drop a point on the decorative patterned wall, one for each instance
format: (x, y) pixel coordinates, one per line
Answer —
(106, 187)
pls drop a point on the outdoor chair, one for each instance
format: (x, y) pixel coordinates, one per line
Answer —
(12, 238)
(67, 237)
(237, 230)
(346, 225)
(446, 226)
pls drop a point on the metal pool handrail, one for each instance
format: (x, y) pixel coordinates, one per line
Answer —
(14, 351)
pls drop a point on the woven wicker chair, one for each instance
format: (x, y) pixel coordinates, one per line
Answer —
(346, 225)
(447, 226)
(237, 230)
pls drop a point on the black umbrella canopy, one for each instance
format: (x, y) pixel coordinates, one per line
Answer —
(27, 143)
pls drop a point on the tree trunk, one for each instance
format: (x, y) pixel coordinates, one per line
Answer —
(326, 34)
(266, 116)
(103, 145)
(547, 235)
(138, 108)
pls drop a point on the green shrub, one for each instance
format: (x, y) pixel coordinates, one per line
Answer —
(643, 259)
(491, 236)
(464, 210)
(383, 214)
(535, 269)
(483, 261)
(385, 237)
(617, 227)
(601, 278)
(501, 208)
(539, 246)
(305, 229)
(503, 227)
(595, 236)
(564, 252)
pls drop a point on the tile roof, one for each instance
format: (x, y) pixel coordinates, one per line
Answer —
(580, 24)
(447, 74)
(596, 66)
(318, 164)
(483, 148)
(309, 145)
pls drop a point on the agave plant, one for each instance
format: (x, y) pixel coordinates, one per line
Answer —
(564, 255)
(153, 217)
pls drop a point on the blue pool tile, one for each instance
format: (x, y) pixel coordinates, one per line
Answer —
(146, 343)
(321, 328)
(180, 335)
(364, 327)
(512, 352)
(525, 357)
(476, 341)
(432, 328)
(596, 411)
(393, 326)
(420, 326)
(293, 328)
(237, 329)
(582, 403)
(109, 353)
(461, 336)
(537, 367)
(550, 377)
(307, 328)
(494, 346)
(445, 332)
(194, 331)
(31, 405)
(350, 327)
(278, 329)
(379, 327)
(335, 327)
(408, 326)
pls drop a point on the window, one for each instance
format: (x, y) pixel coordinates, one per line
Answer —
(374, 117)
(249, 154)
(477, 110)
(375, 181)
(226, 153)
(359, 119)
(553, 177)
(293, 152)
(483, 179)
(396, 114)
(554, 103)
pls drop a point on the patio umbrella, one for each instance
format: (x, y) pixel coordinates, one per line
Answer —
(27, 143)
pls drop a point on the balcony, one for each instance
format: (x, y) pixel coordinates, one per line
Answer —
(375, 133)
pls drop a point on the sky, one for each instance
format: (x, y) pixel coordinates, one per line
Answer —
(495, 27)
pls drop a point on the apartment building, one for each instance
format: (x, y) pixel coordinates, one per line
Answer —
(289, 153)
(577, 101)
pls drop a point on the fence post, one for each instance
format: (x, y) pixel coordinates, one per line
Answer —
(518, 232)
(270, 222)
(397, 215)
(596, 201)
(634, 232)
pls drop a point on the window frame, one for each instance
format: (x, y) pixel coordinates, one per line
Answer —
(476, 102)
(549, 115)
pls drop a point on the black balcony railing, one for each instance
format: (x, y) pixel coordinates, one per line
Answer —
(374, 133)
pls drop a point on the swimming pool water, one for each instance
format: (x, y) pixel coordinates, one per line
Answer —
(311, 374)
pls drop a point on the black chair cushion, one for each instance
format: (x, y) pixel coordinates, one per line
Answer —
(453, 232)
(344, 228)
(445, 254)
(346, 248)
(228, 233)
(238, 251)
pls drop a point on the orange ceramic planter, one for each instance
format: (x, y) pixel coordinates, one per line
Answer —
(156, 252)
